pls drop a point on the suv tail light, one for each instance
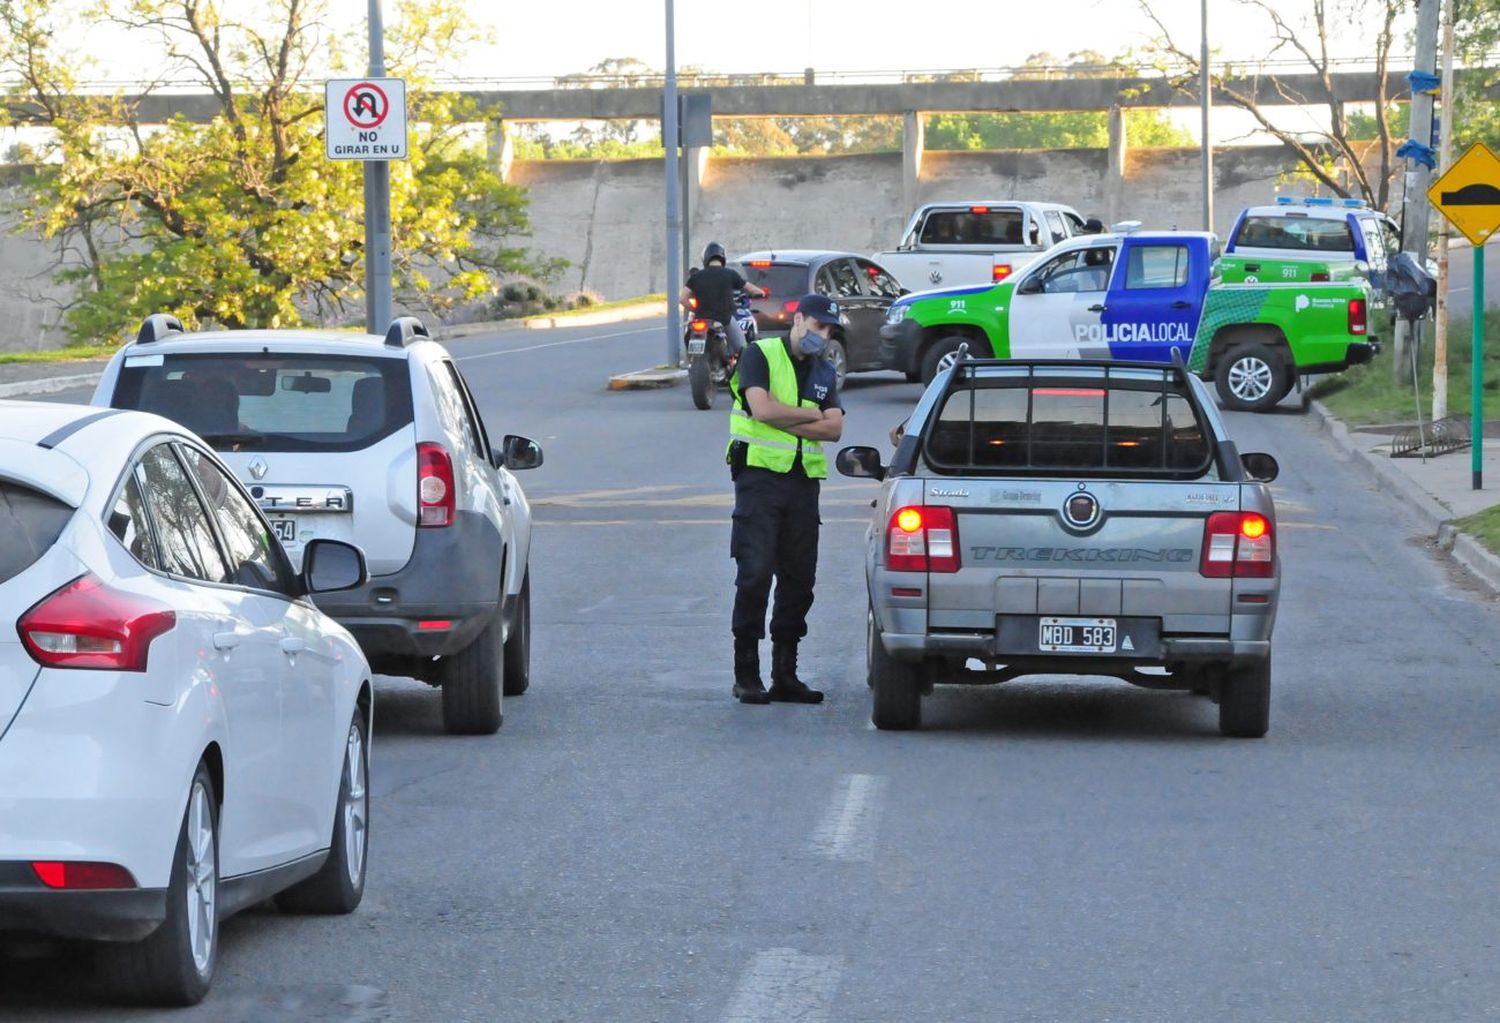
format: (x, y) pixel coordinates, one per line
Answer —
(1238, 544)
(82, 876)
(922, 539)
(1357, 321)
(1000, 271)
(85, 624)
(435, 499)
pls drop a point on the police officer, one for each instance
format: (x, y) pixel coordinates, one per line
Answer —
(786, 404)
(715, 288)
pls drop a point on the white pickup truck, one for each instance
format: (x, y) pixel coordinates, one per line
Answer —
(951, 244)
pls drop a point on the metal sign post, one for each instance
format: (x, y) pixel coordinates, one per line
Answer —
(1468, 194)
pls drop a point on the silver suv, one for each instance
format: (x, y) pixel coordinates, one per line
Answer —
(1087, 518)
(375, 441)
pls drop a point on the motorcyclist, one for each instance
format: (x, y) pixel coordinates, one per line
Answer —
(715, 287)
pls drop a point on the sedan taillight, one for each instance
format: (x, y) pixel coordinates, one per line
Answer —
(435, 498)
(87, 625)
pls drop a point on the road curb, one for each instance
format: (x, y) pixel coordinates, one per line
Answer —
(1460, 546)
(644, 311)
(647, 379)
(48, 385)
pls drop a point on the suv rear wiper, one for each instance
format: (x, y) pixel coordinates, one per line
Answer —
(233, 440)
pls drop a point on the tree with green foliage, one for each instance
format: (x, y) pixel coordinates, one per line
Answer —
(1476, 30)
(243, 221)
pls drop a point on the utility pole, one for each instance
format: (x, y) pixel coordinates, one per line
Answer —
(674, 214)
(1445, 159)
(1416, 210)
(377, 207)
(1205, 89)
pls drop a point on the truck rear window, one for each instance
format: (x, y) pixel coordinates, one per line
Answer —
(1120, 422)
(972, 227)
(274, 402)
(1295, 231)
(31, 522)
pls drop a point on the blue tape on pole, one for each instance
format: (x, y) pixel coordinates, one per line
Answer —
(1421, 81)
(1411, 149)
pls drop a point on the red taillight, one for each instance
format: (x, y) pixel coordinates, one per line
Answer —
(1320, 277)
(435, 497)
(87, 625)
(1241, 544)
(980, 210)
(760, 262)
(1357, 321)
(698, 326)
(434, 624)
(82, 876)
(790, 307)
(1000, 271)
(922, 539)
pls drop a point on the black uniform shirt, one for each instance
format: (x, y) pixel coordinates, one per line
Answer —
(715, 288)
(817, 381)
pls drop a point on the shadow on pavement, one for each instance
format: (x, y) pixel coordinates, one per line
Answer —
(1086, 708)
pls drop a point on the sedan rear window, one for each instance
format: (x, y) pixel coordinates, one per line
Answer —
(274, 402)
(31, 522)
(782, 280)
(1086, 424)
(1295, 231)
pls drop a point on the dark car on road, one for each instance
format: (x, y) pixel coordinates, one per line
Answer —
(864, 291)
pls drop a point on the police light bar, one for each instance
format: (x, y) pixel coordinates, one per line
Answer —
(1319, 200)
(1125, 227)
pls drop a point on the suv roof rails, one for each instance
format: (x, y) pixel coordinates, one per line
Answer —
(157, 326)
(404, 330)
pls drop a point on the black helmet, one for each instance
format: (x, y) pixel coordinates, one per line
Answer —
(712, 252)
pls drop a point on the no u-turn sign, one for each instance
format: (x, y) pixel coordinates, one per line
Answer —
(365, 118)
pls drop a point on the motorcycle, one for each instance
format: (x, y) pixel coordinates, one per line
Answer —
(710, 362)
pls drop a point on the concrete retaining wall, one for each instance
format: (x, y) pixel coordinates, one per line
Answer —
(607, 218)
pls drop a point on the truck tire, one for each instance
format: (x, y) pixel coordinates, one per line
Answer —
(896, 702)
(518, 646)
(1252, 377)
(942, 349)
(472, 681)
(702, 383)
(1245, 700)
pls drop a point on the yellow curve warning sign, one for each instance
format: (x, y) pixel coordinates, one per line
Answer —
(1468, 193)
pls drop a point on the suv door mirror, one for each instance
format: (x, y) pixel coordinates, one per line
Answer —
(518, 453)
(861, 462)
(331, 565)
(1260, 466)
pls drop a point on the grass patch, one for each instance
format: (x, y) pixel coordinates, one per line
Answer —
(1369, 395)
(1483, 526)
(619, 303)
(73, 353)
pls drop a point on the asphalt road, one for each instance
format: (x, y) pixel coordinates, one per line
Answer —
(636, 846)
(1461, 280)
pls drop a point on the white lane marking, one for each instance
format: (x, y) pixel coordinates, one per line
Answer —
(782, 985)
(847, 831)
(559, 344)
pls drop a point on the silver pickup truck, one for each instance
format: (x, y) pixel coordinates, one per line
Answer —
(1088, 518)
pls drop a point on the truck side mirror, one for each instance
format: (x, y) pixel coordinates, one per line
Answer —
(1030, 286)
(860, 462)
(1260, 466)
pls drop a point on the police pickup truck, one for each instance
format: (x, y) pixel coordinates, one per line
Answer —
(951, 244)
(1310, 239)
(1089, 518)
(1152, 296)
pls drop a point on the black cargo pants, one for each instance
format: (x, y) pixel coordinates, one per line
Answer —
(775, 533)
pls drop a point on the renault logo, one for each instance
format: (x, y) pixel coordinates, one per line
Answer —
(1081, 510)
(258, 468)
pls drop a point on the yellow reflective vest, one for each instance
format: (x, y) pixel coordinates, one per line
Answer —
(770, 447)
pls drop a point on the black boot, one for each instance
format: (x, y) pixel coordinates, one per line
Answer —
(786, 687)
(748, 688)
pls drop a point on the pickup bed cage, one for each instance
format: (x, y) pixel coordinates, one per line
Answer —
(1009, 441)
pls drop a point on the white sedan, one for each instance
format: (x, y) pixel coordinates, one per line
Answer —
(182, 732)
